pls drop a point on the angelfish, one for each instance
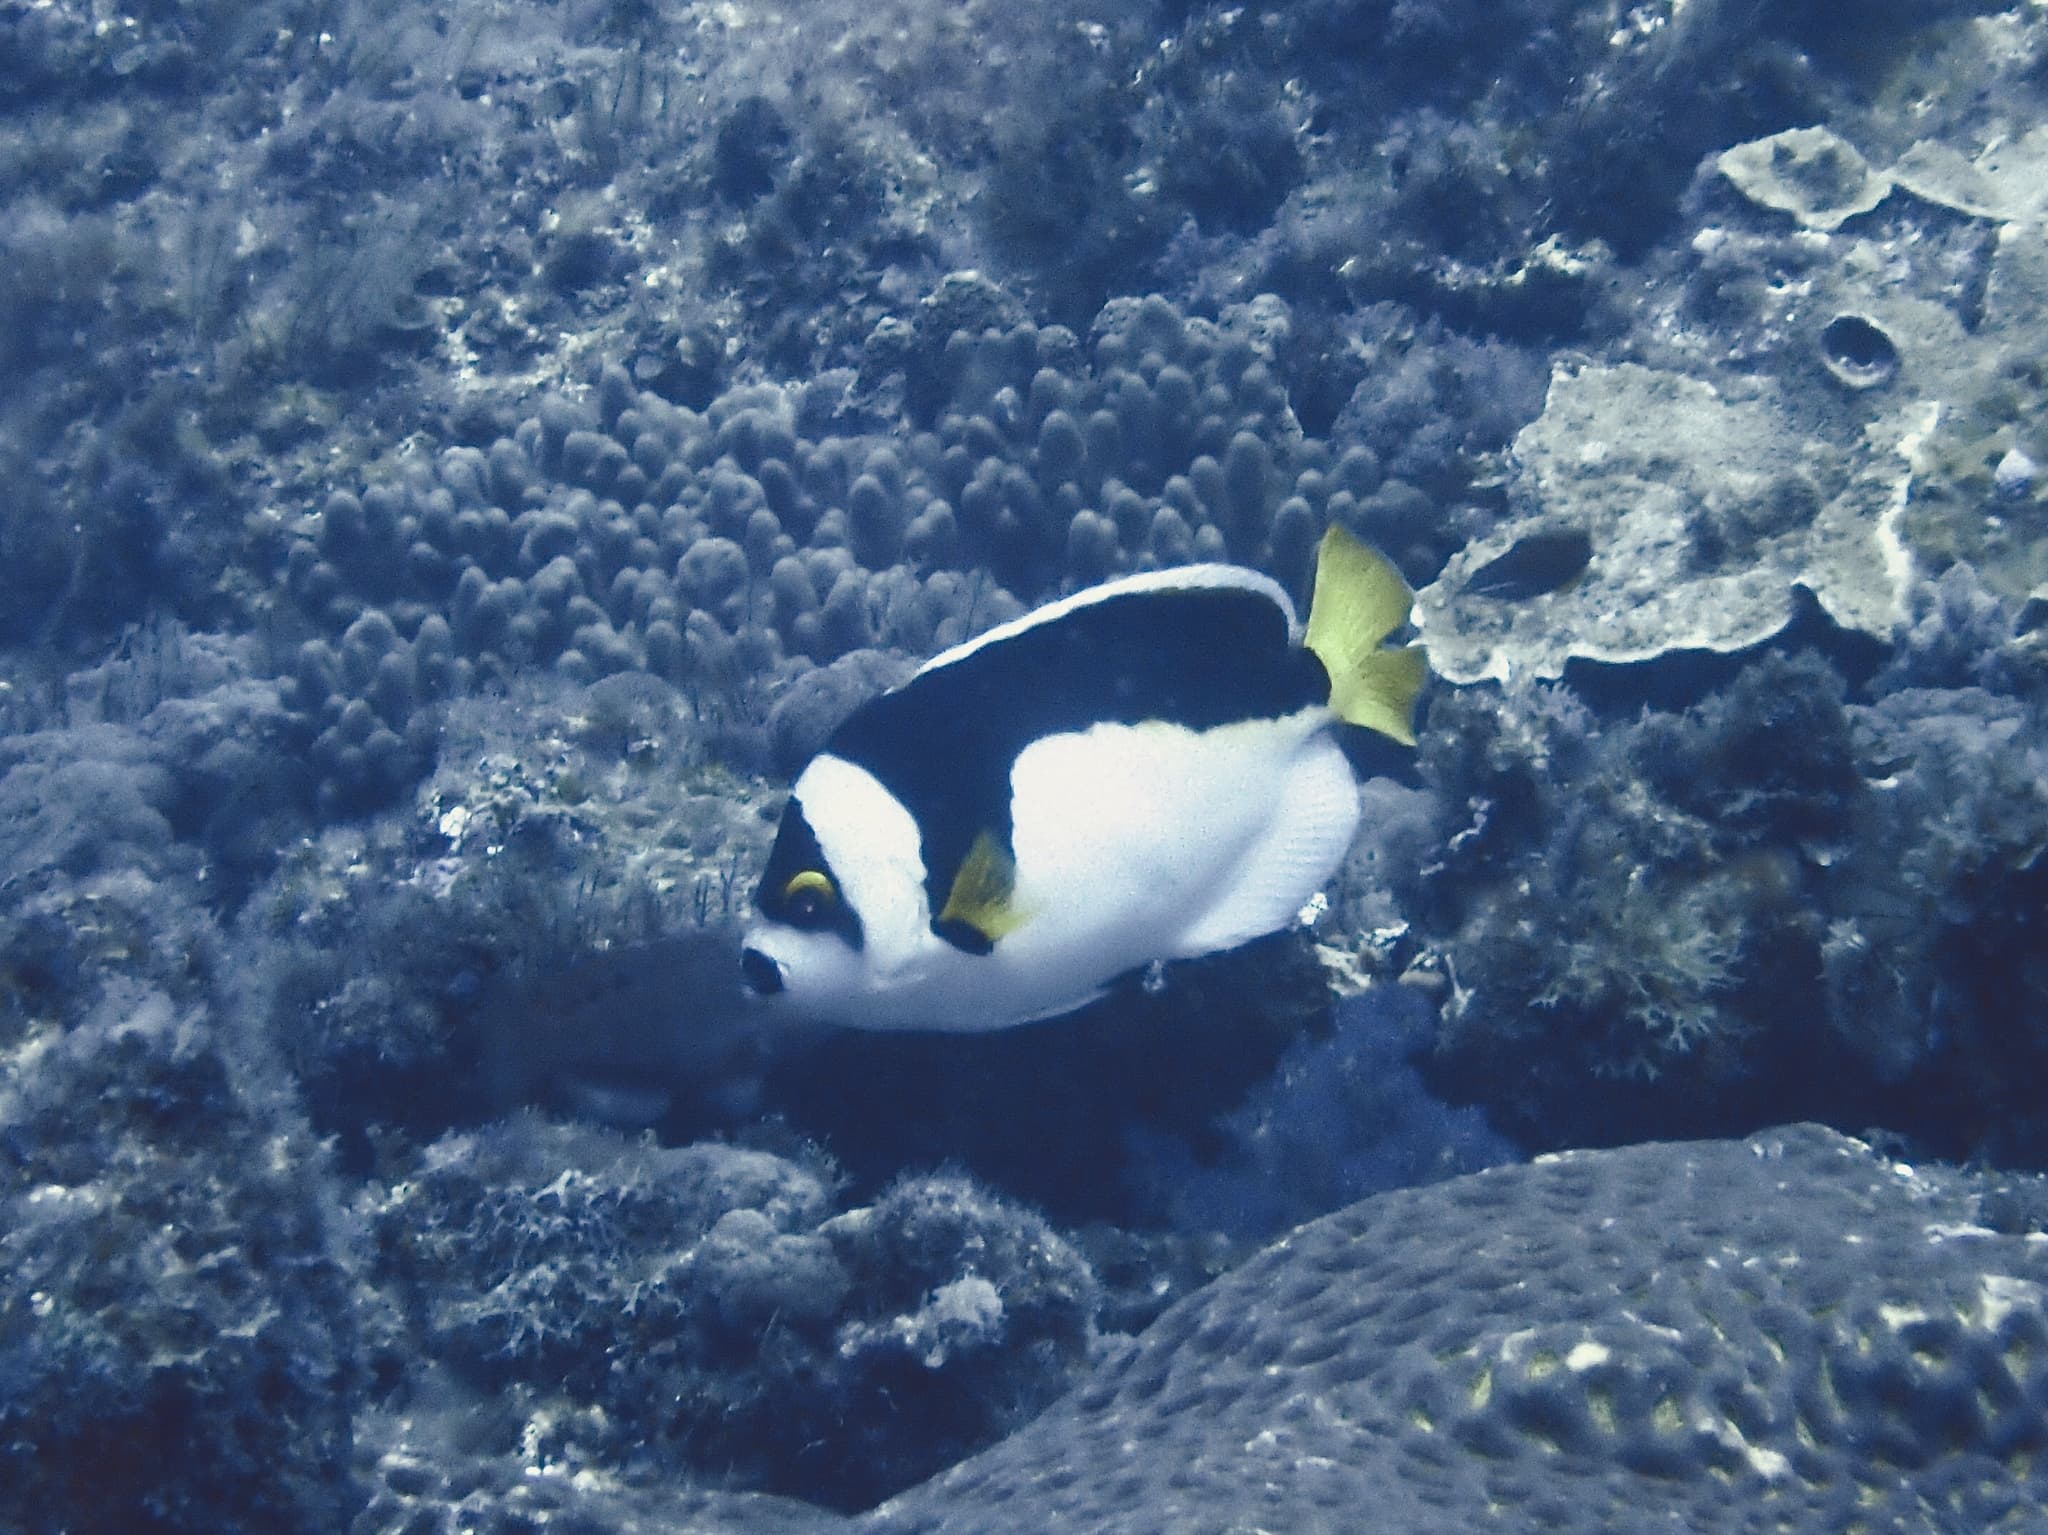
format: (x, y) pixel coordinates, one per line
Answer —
(1147, 770)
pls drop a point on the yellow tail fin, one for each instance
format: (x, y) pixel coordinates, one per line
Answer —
(1359, 600)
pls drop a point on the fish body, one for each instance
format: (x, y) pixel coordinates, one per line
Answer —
(1146, 770)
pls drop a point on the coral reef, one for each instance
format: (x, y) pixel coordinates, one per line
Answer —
(1762, 901)
(726, 550)
(457, 460)
(173, 1272)
(1703, 514)
(1695, 1333)
(1702, 1335)
(622, 1303)
(554, 915)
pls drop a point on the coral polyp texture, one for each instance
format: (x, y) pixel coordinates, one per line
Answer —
(1784, 1333)
(708, 1303)
(723, 550)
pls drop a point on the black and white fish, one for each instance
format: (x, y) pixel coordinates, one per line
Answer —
(1146, 770)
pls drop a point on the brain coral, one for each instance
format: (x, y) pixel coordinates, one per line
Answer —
(1785, 1334)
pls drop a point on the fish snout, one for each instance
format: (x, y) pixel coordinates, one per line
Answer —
(762, 974)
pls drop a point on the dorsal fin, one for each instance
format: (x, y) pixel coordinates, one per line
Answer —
(1180, 578)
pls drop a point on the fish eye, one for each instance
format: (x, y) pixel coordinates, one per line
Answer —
(809, 893)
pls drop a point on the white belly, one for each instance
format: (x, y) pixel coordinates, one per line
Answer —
(1143, 842)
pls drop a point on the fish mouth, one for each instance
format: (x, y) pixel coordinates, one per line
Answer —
(761, 973)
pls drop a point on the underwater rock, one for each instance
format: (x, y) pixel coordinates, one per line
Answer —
(2015, 474)
(1921, 328)
(1786, 1332)
(169, 1271)
(712, 1306)
(2007, 182)
(1992, 402)
(1811, 173)
(1703, 511)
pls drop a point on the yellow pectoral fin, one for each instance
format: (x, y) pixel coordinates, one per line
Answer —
(1359, 600)
(981, 906)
